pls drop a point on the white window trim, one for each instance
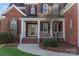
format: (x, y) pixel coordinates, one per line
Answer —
(13, 21)
(32, 9)
(55, 9)
(45, 8)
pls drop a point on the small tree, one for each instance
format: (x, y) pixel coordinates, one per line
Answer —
(53, 14)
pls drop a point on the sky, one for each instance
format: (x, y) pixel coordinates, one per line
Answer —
(3, 7)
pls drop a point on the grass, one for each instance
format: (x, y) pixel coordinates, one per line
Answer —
(13, 51)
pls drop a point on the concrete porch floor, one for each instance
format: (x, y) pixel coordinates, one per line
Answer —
(35, 49)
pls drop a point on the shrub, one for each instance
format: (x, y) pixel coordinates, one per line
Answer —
(50, 42)
(6, 37)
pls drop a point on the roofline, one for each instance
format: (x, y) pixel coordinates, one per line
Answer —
(66, 8)
(8, 9)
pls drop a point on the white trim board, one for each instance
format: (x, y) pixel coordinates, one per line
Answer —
(66, 8)
(78, 25)
(21, 7)
(13, 6)
(41, 19)
(2, 17)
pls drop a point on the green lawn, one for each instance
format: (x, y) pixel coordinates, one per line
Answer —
(13, 51)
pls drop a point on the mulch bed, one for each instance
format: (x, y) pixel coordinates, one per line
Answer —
(62, 47)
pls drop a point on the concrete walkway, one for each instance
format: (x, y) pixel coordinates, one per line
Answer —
(34, 49)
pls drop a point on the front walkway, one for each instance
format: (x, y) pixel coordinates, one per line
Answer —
(34, 49)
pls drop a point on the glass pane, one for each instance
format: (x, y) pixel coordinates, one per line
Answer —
(13, 26)
(45, 27)
(32, 29)
(45, 8)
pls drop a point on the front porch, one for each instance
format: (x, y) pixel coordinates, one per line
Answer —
(32, 30)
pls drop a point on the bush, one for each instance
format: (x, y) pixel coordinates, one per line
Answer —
(50, 42)
(6, 37)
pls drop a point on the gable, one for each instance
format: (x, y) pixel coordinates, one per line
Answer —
(13, 12)
(14, 7)
(66, 8)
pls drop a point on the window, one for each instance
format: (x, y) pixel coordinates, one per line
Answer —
(71, 26)
(32, 29)
(55, 9)
(13, 26)
(32, 9)
(45, 27)
(60, 28)
(45, 8)
(57, 26)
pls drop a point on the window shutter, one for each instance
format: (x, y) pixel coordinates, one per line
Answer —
(45, 8)
(41, 8)
(32, 9)
(35, 9)
(9, 25)
(48, 26)
(29, 11)
(41, 27)
(18, 29)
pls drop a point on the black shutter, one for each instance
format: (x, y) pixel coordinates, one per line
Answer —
(18, 27)
(41, 27)
(48, 26)
(41, 8)
(9, 25)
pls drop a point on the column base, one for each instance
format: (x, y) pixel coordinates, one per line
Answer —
(22, 36)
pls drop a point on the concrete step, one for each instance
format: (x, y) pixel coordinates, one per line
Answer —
(30, 40)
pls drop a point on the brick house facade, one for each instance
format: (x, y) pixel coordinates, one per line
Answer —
(33, 26)
(71, 15)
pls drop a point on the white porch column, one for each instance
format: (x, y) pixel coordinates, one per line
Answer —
(51, 28)
(23, 30)
(64, 29)
(38, 30)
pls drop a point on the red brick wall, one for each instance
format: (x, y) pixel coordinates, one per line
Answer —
(71, 13)
(5, 23)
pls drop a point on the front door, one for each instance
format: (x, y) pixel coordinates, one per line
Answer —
(32, 30)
